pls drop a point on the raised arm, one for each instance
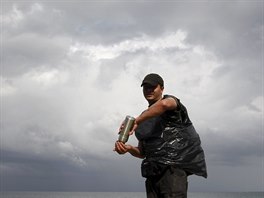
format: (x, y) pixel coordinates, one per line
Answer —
(156, 109)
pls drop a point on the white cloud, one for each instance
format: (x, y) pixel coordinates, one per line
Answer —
(6, 87)
(35, 8)
(171, 40)
(258, 103)
(13, 17)
(66, 107)
(47, 77)
(72, 72)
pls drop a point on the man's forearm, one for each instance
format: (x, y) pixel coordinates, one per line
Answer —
(134, 151)
(157, 109)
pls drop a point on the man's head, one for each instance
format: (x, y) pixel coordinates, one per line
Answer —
(153, 86)
(153, 79)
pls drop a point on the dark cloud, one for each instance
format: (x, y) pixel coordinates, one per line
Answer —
(71, 70)
(233, 149)
(22, 172)
(27, 51)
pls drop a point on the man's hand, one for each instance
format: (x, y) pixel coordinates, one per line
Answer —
(134, 128)
(121, 127)
(122, 148)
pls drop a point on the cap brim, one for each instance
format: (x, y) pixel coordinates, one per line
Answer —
(149, 83)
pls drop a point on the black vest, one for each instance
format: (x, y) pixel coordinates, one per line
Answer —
(171, 139)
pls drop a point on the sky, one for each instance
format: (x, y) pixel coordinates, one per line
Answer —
(71, 71)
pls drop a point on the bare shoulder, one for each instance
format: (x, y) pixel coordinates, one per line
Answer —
(169, 102)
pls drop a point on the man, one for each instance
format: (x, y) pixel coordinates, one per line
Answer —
(168, 143)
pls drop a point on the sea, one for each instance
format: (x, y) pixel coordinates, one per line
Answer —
(125, 195)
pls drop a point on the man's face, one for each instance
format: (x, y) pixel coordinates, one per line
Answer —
(152, 93)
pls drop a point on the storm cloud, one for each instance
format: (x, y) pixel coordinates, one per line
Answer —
(71, 72)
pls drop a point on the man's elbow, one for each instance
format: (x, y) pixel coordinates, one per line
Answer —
(168, 104)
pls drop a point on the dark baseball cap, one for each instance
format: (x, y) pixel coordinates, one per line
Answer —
(153, 79)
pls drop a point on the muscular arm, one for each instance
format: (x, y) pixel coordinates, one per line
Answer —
(156, 109)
